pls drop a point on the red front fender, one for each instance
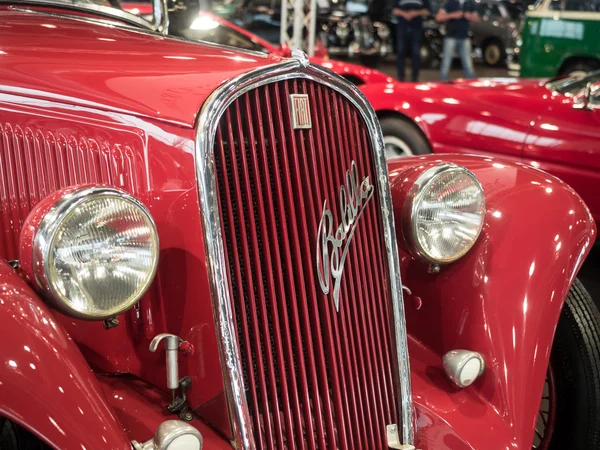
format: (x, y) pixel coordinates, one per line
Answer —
(45, 384)
(502, 299)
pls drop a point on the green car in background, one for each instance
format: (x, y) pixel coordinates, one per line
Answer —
(559, 37)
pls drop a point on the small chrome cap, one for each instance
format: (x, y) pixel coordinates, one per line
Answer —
(172, 435)
(463, 367)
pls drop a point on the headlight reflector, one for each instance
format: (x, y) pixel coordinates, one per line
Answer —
(95, 252)
(444, 213)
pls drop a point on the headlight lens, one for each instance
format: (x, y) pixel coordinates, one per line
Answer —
(444, 213)
(95, 252)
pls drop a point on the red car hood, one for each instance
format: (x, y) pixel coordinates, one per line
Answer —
(81, 62)
(508, 85)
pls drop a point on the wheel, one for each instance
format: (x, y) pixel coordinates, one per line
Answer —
(493, 53)
(371, 61)
(571, 401)
(402, 138)
(580, 68)
(14, 437)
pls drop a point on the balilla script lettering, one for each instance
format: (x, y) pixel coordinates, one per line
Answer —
(333, 243)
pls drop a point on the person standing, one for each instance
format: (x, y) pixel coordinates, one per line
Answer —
(409, 33)
(458, 14)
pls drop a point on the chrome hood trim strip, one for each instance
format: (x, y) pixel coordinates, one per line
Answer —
(208, 120)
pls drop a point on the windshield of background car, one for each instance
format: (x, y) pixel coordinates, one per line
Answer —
(573, 85)
(206, 29)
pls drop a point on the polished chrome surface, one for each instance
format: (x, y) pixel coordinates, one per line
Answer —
(50, 225)
(353, 200)
(160, 14)
(410, 210)
(105, 11)
(208, 121)
(172, 435)
(393, 438)
(456, 362)
(172, 344)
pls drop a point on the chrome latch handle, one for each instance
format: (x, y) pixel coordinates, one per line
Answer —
(172, 344)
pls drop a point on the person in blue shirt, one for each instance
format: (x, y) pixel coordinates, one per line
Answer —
(409, 32)
(457, 14)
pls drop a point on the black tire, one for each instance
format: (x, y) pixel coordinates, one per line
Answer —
(406, 134)
(371, 61)
(14, 437)
(575, 363)
(580, 67)
(493, 53)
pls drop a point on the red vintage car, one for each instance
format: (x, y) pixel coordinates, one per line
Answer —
(553, 125)
(204, 248)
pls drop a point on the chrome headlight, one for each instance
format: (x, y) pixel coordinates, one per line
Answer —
(342, 30)
(383, 31)
(444, 213)
(95, 252)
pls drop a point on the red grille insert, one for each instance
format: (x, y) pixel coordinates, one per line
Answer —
(314, 377)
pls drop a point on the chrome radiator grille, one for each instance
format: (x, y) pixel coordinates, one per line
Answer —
(314, 377)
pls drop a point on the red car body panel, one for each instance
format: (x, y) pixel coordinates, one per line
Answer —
(518, 120)
(495, 303)
(490, 301)
(46, 385)
(189, 72)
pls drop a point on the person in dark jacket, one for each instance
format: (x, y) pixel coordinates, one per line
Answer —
(457, 14)
(409, 32)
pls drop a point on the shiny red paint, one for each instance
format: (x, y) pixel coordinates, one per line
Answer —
(520, 120)
(498, 300)
(475, 303)
(46, 385)
(188, 72)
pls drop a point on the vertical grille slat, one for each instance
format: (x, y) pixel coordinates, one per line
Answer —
(315, 377)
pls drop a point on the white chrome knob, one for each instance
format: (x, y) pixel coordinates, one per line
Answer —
(463, 367)
(172, 435)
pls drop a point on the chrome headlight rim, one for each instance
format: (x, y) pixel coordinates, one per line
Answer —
(44, 240)
(416, 194)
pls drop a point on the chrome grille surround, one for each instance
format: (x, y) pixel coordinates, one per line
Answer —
(210, 115)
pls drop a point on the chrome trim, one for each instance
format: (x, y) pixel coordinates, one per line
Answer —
(46, 233)
(160, 16)
(167, 433)
(455, 361)
(105, 11)
(208, 120)
(413, 199)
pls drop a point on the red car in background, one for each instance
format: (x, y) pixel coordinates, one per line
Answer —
(551, 125)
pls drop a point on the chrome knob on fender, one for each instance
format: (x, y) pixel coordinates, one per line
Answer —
(172, 435)
(463, 367)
